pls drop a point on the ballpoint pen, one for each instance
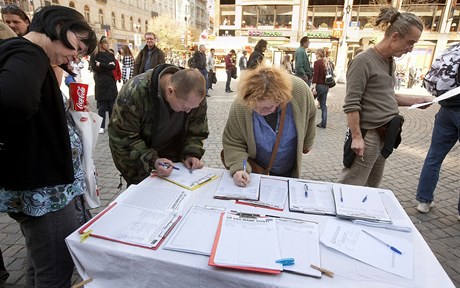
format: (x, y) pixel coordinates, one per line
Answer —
(394, 249)
(244, 165)
(341, 195)
(305, 187)
(167, 165)
(364, 199)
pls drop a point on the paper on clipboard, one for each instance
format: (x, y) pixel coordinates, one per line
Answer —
(273, 194)
(228, 190)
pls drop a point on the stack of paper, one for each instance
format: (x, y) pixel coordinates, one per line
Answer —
(195, 234)
(385, 252)
(227, 189)
(190, 180)
(273, 194)
(311, 197)
(256, 243)
(357, 202)
(140, 217)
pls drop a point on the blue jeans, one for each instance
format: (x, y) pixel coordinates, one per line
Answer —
(446, 132)
(321, 95)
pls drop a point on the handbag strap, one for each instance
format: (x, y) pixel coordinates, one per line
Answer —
(278, 139)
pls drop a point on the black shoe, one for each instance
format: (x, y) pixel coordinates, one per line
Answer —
(207, 95)
(320, 126)
(211, 88)
(229, 91)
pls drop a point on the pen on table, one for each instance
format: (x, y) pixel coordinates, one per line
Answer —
(305, 187)
(244, 165)
(341, 195)
(365, 198)
(167, 165)
(394, 249)
(323, 271)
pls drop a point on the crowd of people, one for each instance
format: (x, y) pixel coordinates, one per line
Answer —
(159, 117)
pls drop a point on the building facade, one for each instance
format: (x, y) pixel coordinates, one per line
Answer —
(125, 22)
(341, 26)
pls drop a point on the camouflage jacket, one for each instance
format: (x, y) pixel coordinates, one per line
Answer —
(133, 126)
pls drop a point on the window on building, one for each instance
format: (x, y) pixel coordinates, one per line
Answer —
(146, 25)
(430, 14)
(323, 16)
(55, 2)
(72, 4)
(227, 15)
(139, 25)
(101, 17)
(455, 19)
(86, 9)
(266, 16)
(114, 20)
(283, 17)
(131, 23)
(249, 17)
(123, 24)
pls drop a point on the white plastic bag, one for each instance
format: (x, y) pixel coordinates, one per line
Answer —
(89, 123)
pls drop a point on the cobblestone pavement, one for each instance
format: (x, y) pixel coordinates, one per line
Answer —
(440, 228)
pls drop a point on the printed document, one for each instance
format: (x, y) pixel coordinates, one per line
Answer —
(310, 197)
(352, 241)
(139, 216)
(357, 202)
(273, 194)
(227, 189)
(196, 231)
(190, 180)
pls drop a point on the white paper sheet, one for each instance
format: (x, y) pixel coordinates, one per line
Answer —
(320, 198)
(229, 190)
(190, 181)
(357, 202)
(273, 194)
(196, 231)
(350, 240)
(142, 195)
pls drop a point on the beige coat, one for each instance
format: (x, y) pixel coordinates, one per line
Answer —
(238, 138)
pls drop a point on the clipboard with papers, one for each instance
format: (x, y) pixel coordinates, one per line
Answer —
(138, 217)
(255, 243)
(359, 203)
(272, 194)
(227, 189)
(190, 180)
(311, 197)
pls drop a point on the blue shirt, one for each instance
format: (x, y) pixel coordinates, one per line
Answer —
(265, 138)
(39, 201)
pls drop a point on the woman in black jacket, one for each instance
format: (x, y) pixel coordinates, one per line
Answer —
(258, 55)
(102, 64)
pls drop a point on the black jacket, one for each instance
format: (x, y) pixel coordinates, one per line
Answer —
(105, 85)
(34, 139)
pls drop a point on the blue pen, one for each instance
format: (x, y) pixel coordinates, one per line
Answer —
(305, 187)
(394, 249)
(365, 198)
(167, 165)
(341, 195)
(244, 165)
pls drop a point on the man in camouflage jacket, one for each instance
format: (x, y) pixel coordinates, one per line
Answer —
(159, 118)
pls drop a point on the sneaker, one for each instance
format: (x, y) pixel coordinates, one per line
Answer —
(424, 207)
(101, 130)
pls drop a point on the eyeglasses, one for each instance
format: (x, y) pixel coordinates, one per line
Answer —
(80, 52)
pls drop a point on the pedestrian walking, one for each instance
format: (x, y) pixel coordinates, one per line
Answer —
(16, 19)
(211, 67)
(319, 87)
(150, 56)
(229, 69)
(302, 63)
(243, 62)
(257, 56)
(128, 63)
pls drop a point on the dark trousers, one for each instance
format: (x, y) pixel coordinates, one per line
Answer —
(3, 273)
(205, 75)
(104, 106)
(210, 78)
(49, 264)
(229, 79)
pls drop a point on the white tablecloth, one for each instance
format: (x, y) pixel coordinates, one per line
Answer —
(113, 265)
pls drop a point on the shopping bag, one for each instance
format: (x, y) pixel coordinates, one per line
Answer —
(89, 123)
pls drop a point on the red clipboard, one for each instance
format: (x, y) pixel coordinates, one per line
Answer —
(213, 254)
(87, 225)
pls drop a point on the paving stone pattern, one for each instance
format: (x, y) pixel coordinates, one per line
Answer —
(440, 228)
